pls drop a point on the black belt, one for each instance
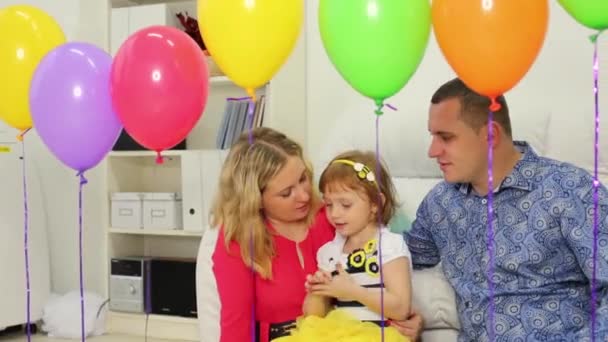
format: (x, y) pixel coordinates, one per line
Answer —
(380, 323)
(276, 330)
(283, 329)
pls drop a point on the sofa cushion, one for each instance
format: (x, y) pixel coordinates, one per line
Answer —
(432, 295)
(405, 140)
(207, 297)
(433, 298)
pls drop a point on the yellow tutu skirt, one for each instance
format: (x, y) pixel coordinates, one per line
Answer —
(339, 326)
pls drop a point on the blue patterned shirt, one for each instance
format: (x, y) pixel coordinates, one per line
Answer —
(543, 224)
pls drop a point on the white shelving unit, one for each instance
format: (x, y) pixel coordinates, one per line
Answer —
(194, 172)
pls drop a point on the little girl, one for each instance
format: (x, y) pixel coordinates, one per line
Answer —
(347, 294)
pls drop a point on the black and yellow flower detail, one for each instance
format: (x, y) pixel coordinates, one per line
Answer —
(370, 246)
(372, 267)
(357, 258)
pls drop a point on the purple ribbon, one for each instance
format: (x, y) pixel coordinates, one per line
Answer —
(82, 182)
(25, 245)
(379, 225)
(596, 186)
(250, 110)
(253, 330)
(379, 105)
(390, 106)
(490, 233)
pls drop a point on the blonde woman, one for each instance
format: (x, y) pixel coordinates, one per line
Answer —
(271, 226)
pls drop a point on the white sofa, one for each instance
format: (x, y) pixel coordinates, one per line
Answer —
(404, 149)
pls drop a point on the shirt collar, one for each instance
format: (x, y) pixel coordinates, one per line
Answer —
(522, 175)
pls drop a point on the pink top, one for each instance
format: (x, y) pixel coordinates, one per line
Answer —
(277, 300)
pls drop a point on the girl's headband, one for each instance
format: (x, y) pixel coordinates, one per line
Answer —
(363, 171)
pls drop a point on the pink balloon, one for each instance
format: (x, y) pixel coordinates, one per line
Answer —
(159, 86)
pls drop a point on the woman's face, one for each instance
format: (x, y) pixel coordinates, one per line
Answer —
(287, 197)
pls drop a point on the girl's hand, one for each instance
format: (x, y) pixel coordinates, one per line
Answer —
(340, 286)
(320, 277)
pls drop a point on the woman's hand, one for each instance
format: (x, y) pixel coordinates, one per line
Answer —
(412, 327)
(340, 286)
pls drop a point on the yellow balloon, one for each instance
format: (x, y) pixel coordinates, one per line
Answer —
(250, 39)
(27, 34)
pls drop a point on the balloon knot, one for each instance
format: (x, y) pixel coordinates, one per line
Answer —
(83, 180)
(379, 106)
(251, 93)
(494, 105)
(593, 38)
(20, 136)
(159, 158)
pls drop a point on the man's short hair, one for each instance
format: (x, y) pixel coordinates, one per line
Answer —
(474, 107)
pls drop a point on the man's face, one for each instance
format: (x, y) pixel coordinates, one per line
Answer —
(460, 151)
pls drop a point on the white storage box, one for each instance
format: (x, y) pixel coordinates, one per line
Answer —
(127, 210)
(162, 210)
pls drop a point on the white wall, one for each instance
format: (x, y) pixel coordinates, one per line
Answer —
(559, 84)
(86, 21)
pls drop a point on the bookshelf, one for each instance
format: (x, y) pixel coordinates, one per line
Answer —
(193, 172)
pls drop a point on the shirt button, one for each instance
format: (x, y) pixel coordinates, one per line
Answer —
(484, 201)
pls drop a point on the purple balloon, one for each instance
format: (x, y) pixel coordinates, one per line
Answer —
(71, 105)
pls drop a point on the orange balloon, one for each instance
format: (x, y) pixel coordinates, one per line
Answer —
(490, 44)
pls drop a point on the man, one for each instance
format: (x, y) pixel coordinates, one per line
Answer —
(543, 224)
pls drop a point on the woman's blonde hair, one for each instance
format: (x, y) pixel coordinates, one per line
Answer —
(341, 173)
(238, 203)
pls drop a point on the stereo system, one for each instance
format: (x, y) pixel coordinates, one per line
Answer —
(165, 286)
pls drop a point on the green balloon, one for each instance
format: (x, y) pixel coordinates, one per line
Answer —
(376, 45)
(590, 13)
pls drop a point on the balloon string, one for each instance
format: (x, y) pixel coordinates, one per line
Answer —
(250, 110)
(159, 158)
(380, 223)
(596, 184)
(82, 182)
(25, 247)
(490, 233)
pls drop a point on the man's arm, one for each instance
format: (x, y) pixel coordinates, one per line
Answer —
(579, 234)
(412, 327)
(420, 240)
